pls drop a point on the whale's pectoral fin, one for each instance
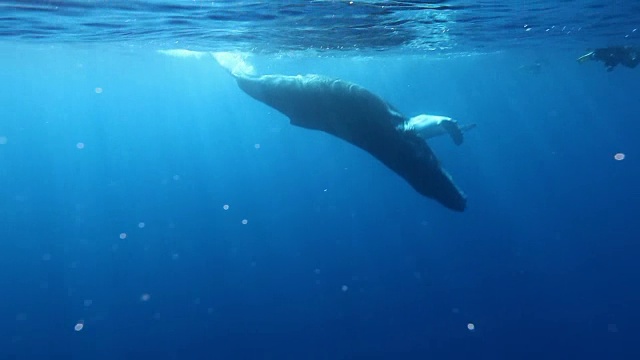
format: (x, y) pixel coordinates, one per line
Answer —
(454, 130)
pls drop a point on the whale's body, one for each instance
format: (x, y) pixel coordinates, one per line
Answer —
(356, 115)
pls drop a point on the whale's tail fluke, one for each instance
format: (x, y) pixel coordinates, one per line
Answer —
(235, 63)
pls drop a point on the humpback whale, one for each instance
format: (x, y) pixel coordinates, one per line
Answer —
(360, 117)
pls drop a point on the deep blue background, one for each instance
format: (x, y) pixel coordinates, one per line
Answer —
(543, 263)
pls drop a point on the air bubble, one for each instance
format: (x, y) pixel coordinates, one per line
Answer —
(79, 326)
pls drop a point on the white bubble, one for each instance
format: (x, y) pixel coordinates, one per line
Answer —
(344, 288)
(3, 140)
(123, 236)
(471, 326)
(225, 207)
(98, 90)
(80, 146)
(79, 326)
(257, 146)
(141, 225)
(145, 297)
(619, 156)
(245, 222)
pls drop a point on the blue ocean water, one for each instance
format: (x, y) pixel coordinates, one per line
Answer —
(152, 210)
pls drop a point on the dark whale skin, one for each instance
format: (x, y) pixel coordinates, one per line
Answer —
(356, 115)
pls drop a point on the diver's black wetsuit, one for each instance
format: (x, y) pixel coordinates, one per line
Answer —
(614, 55)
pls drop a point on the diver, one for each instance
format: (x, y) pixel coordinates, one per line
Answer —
(613, 55)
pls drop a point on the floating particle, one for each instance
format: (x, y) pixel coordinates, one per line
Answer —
(175, 256)
(46, 257)
(123, 236)
(3, 140)
(88, 302)
(79, 326)
(145, 297)
(619, 156)
(471, 326)
(245, 222)
(80, 146)
(257, 146)
(98, 90)
(344, 288)
(141, 225)
(225, 207)
(176, 177)
(316, 271)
